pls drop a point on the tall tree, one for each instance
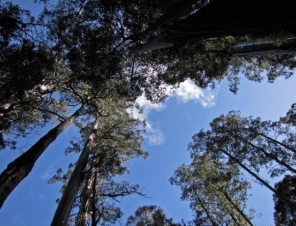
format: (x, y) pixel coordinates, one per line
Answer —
(229, 17)
(216, 190)
(27, 75)
(116, 140)
(284, 214)
(249, 144)
(150, 216)
(18, 169)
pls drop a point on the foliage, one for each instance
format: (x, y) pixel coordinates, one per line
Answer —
(116, 140)
(284, 214)
(150, 216)
(235, 144)
(216, 190)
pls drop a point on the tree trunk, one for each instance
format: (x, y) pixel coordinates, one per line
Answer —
(63, 210)
(84, 204)
(94, 192)
(258, 178)
(236, 18)
(278, 142)
(204, 208)
(17, 170)
(236, 207)
(269, 155)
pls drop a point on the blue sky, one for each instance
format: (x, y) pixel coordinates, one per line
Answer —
(33, 201)
(171, 125)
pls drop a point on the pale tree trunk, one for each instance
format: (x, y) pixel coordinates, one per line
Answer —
(18, 169)
(63, 210)
(84, 204)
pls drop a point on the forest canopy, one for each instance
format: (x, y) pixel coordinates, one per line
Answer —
(84, 63)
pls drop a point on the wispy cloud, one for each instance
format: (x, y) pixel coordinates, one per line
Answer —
(17, 219)
(48, 173)
(187, 91)
(155, 136)
(37, 194)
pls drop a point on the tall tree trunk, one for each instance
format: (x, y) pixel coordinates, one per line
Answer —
(258, 178)
(269, 155)
(94, 192)
(84, 204)
(63, 210)
(18, 169)
(236, 207)
(236, 18)
(278, 142)
(204, 208)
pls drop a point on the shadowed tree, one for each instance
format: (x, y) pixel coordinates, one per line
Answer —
(284, 214)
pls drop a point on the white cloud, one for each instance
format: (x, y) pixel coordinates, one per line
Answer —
(155, 136)
(188, 91)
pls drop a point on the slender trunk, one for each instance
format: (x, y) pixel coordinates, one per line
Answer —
(82, 217)
(63, 210)
(233, 218)
(236, 207)
(204, 208)
(17, 170)
(258, 178)
(277, 142)
(267, 154)
(93, 223)
(271, 51)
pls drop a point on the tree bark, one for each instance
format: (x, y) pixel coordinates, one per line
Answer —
(63, 210)
(84, 205)
(236, 18)
(18, 169)
(94, 192)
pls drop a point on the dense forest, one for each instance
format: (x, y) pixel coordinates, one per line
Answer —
(84, 63)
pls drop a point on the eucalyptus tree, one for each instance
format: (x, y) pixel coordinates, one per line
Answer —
(284, 214)
(150, 216)
(92, 71)
(114, 139)
(217, 191)
(81, 96)
(28, 75)
(249, 144)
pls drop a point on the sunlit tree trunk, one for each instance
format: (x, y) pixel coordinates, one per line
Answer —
(63, 210)
(18, 169)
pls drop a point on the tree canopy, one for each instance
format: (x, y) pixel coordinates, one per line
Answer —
(85, 62)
